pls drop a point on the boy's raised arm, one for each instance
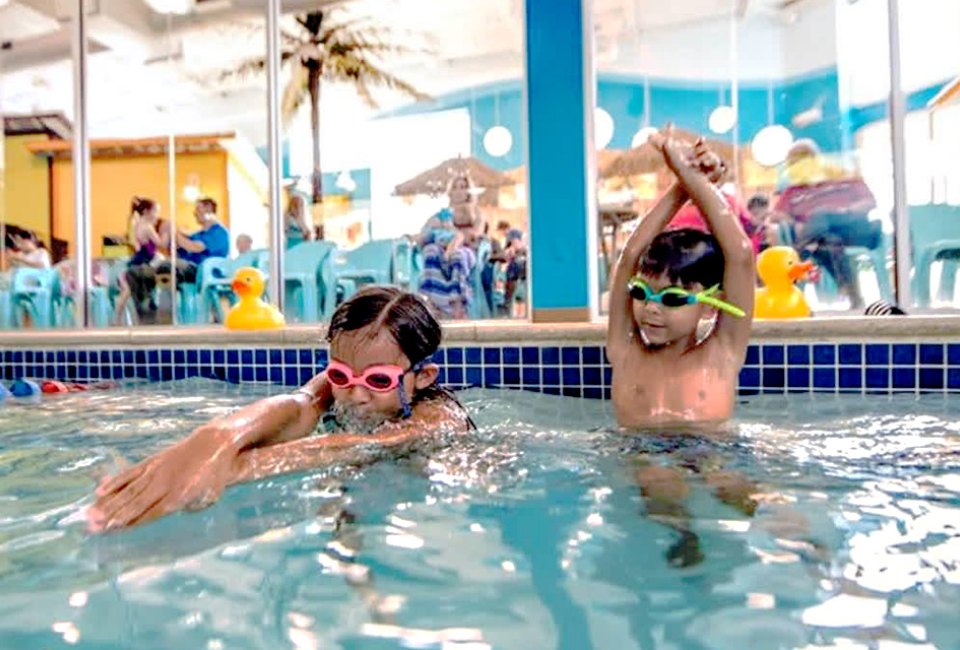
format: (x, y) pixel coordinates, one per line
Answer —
(620, 325)
(739, 274)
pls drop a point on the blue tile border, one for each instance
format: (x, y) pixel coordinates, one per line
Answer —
(583, 371)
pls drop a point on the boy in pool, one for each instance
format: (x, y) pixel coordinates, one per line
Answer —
(666, 370)
(666, 283)
(379, 391)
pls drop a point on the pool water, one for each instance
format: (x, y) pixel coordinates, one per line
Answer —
(530, 534)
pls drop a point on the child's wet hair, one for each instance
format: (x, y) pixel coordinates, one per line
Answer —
(407, 318)
(686, 256)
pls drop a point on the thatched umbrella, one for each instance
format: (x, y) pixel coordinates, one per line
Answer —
(436, 180)
(646, 159)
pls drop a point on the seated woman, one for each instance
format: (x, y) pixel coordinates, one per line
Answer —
(448, 244)
(297, 222)
(29, 253)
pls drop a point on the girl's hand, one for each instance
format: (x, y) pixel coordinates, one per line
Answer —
(191, 474)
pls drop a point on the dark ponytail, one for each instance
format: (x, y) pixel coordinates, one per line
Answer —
(141, 205)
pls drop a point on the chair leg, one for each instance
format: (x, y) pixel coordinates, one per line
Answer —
(948, 281)
(878, 259)
(921, 272)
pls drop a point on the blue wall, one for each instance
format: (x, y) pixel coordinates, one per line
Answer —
(687, 104)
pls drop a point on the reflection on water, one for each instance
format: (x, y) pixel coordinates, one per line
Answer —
(533, 532)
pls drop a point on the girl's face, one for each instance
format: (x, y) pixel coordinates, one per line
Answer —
(661, 325)
(362, 349)
(152, 214)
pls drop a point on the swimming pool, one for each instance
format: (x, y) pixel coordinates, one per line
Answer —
(529, 534)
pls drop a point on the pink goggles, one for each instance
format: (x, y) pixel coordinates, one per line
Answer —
(379, 379)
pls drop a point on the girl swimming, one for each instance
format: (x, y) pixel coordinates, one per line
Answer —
(378, 392)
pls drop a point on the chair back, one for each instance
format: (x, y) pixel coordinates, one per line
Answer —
(934, 228)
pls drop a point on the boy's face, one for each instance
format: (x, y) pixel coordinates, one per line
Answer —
(666, 325)
(361, 350)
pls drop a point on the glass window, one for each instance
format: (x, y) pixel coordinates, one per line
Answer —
(178, 179)
(781, 93)
(931, 83)
(36, 104)
(408, 151)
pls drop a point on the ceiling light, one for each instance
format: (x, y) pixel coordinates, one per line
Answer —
(722, 119)
(640, 137)
(771, 144)
(602, 128)
(497, 141)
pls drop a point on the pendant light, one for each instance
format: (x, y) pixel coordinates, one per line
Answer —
(772, 142)
(497, 140)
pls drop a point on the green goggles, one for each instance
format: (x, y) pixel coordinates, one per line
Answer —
(680, 297)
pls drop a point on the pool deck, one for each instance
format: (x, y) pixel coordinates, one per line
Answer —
(939, 328)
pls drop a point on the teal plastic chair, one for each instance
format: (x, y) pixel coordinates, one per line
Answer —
(406, 264)
(934, 233)
(479, 308)
(214, 277)
(310, 281)
(6, 303)
(826, 287)
(32, 293)
(369, 263)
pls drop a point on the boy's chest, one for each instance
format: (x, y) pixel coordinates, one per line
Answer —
(696, 386)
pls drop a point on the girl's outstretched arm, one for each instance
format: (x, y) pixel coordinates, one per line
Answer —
(197, 468)
(431, 419)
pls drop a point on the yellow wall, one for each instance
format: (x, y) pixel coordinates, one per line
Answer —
(114, 181)
(26, 200)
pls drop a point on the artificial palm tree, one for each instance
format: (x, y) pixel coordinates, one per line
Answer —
(324, 49)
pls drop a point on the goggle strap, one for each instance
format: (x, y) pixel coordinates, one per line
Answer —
(405, 406)
(721, 305)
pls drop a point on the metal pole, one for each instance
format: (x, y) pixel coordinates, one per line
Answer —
(275, 284)
(901, 231)
(590, 145)
(735, 96)
(81, 162)
(172, 183)
(172, 197)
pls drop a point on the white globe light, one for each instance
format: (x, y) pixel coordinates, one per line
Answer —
(602, 128)
(640, 137)
(722, 119)
(497, 141)
(345, 182)
(771, 144)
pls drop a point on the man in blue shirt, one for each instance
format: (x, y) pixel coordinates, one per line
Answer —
(212, 240)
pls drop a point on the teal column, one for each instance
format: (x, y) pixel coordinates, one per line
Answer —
(559, 99)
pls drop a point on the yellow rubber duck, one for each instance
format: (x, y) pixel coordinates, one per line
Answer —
(251, 313)
(779, 267)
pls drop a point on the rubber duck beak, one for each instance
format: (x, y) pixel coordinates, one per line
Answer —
(238, 287)
(800, 271)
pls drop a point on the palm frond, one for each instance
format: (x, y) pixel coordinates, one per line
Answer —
(251, 67)
(294, 93)
(364, 74)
